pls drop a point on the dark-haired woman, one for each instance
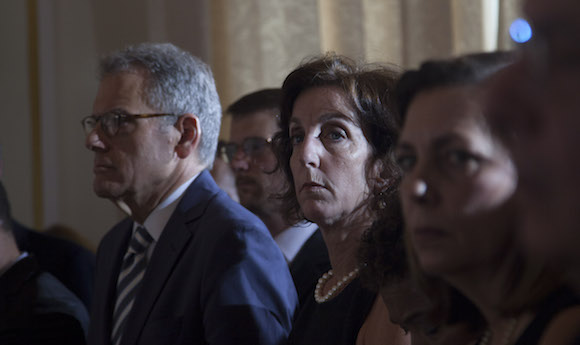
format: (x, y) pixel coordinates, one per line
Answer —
(338, 131)
(457, 192)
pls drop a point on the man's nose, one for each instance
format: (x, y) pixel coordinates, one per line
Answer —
(93, 140)
(240, 161)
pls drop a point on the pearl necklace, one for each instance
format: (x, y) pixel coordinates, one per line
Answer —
(507, 335)
(336, 288)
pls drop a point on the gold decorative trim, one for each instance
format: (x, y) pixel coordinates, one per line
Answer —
(34, 101)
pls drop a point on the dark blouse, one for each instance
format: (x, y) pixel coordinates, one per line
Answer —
(554, 304)
(335, 322)
(549, 308)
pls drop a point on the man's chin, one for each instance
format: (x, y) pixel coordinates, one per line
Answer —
(107, 190)
(247, 195)
(248, 201)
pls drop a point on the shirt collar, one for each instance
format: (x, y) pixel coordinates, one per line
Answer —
(292, 239)
(156, 221)
(20, 257)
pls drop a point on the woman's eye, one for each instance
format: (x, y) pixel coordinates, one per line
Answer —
(406, 162)
(334, 135)
(459, 157)
(463, 159)
(296, 138)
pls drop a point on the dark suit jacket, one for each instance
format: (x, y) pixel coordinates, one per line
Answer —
(309, 265)
(216, 276)
(71, 264)
(35, 308)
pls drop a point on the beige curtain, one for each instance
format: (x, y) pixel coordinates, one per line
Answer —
(250, 44)
(255, 43)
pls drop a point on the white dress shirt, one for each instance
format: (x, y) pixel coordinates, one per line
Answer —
(156, 221)
(292, 239)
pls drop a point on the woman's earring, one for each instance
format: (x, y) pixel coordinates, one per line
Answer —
(382, 203)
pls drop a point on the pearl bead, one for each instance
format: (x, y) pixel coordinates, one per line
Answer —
(337, 287)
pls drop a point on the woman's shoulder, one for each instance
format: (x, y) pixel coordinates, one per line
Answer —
(554, 319)
(564, 329)
(379, 329)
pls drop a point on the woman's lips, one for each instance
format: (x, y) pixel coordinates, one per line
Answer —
(425, 234)
(311, 186)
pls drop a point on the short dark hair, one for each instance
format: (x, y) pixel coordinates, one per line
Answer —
(369, 89)
(264, 99)
(464, 70)
(5, 215)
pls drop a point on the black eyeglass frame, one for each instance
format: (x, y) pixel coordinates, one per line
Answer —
(228, 150)
(115, 119)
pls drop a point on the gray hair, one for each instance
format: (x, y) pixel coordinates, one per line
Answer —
(177, 83)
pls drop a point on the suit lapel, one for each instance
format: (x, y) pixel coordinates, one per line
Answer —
(174, 239)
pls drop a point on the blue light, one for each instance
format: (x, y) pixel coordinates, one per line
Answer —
(520, 30)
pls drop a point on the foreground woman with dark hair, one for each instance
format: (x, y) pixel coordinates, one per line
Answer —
(338, 131)
(457, 192)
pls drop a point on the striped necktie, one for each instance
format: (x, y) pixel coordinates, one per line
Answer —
(129, 281)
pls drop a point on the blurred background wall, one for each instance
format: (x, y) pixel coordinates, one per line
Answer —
(50, 50)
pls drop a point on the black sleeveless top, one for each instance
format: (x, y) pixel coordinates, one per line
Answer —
(576, 341)
(554, 304)
(335, 322)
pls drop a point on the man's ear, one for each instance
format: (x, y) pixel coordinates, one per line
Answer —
(190, 131)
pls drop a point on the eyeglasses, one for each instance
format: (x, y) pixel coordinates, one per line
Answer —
(252, 147)
(112, 121)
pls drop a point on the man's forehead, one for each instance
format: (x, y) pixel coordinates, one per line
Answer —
(258, 115)
(260, 123)
(119, 91)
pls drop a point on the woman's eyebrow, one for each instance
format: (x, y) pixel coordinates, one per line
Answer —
(335, 116)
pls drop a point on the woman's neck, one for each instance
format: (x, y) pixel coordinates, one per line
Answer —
(484, 287)
(342, 242)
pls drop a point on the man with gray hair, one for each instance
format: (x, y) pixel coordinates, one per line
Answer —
(190, 266)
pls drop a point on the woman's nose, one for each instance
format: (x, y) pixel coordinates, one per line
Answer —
(310, 152)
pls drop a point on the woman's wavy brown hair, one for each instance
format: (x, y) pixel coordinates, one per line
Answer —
(369, 89)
